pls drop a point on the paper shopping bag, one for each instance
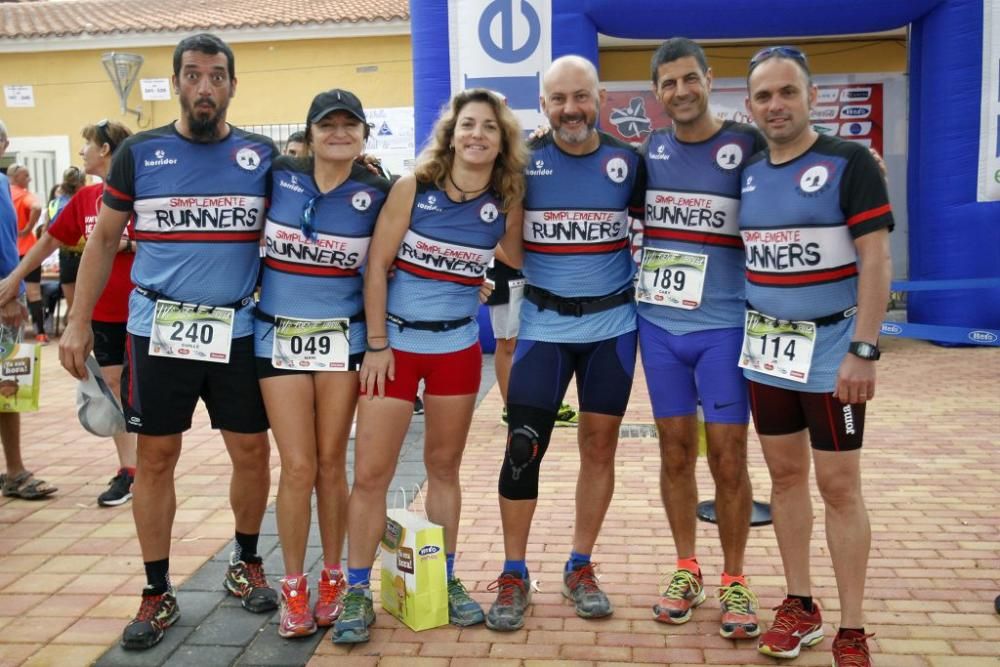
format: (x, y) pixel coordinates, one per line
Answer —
(414, 571)
(20, 376)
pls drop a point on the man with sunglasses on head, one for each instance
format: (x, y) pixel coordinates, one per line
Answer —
(198, 188)
(815, 221)
(691, 311)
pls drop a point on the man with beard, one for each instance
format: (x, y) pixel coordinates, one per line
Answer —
(579, 318)
(197, 188)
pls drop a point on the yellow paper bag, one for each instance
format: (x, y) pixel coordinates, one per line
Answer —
(414, 570)
(20, 376)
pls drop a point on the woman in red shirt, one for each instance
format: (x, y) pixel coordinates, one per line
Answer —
(75, 222)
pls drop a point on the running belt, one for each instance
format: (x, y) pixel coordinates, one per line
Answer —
(577, 306)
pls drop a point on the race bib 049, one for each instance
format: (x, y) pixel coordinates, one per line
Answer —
(193, 332)
(672, 278)
(311, 345)
(780, 348)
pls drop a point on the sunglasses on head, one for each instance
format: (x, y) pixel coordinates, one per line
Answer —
(104, 135)
(777, 51)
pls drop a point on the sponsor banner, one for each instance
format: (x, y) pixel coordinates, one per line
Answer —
(989, 126)
(856, 129)
(503, 45)
(392, 138)
(631, 111)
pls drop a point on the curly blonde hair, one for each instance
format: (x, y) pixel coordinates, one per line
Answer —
(436, 159)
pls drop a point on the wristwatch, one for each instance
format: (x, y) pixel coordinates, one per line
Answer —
(866, 351)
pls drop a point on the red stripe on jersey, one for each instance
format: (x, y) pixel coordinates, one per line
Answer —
(307, 269)
(694, 237)
(576, 248)
(117, 194)
(816, 277)
(424, 272)
(199, 236)
(868, 215)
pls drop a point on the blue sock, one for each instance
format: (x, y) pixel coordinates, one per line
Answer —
(359, 576)
(518, 566)
(450, 563)
(576, 561)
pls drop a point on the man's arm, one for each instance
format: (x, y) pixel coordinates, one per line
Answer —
(856, 377)
(95, 266)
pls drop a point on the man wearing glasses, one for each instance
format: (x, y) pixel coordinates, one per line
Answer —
(198, 189)
(815, 221)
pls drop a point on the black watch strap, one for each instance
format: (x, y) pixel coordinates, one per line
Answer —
(865, 351)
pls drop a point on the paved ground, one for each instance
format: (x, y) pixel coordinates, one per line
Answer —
(70, 571)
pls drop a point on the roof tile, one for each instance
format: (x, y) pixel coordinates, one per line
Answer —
(63, 18)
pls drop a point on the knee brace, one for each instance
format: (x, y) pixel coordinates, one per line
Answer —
(527, 439)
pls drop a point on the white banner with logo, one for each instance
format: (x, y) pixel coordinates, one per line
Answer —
(989, 127)
(503, 45)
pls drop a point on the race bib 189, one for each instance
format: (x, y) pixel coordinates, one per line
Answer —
(311, 345)
(193, 332)
(779, 348)
(671, 278)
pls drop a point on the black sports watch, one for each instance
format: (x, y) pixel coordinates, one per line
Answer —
(865, 351)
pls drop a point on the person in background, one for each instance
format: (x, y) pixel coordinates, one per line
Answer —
(296, 146)
(69, 257)
(28, 210)
(72, 226)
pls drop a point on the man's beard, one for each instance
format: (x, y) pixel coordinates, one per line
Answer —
(204, 129)
(576, 136)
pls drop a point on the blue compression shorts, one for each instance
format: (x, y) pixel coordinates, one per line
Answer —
(680, 369)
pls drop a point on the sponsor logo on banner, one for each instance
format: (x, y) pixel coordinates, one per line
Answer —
(826, 95)
(503, 45)
(823, 113)
(856, 111)
(632, 122)
(827, 128)
(856, 95)
(857, 129)
(891, 329)
(982, 337)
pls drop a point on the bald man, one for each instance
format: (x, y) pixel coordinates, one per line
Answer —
(579, 319)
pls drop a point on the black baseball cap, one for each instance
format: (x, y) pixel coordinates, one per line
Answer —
(335, 100)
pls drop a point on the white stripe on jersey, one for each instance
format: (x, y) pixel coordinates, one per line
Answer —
(184, 214)
(798, 249)
(561, 227)
(287, 244)
(713, 214)
(444, 257)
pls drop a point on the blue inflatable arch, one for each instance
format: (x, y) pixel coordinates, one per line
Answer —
(952, 236)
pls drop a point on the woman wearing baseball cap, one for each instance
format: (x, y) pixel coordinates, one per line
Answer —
(309, 339)
(438, 231)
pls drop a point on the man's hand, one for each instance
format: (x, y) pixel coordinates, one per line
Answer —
(74, 347)
(855, 380)
(13, 312)
(8, 290)
(485, 290)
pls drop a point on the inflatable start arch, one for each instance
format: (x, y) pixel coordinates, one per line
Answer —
(954, 234)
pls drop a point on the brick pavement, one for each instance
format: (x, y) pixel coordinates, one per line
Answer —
(69, 571)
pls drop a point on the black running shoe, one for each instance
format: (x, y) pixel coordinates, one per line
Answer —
(119, 490)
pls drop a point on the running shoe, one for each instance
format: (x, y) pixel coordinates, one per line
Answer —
(295, 618)
(462, 609)
(503, 416)
(358, 614)
(567, 416)
(580, 586)
(850, 649)
(329, 597)
(245, 579)
(156, 613)
(119, 490)
(793, 628)
(685, 591)
(513, 597)
(42, 339)
(739, 612)
(418, 406)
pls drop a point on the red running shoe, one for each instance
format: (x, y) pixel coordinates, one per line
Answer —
(330, 597)
(296, 619)
(792, 629)
(850, 649)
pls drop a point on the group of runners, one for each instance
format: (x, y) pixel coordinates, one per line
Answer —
(764, 276)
